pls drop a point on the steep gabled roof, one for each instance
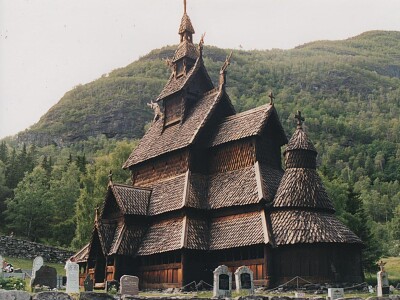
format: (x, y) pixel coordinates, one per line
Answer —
(159, 140)
(242, 125)
(132, 201)
(127, 239)
(175, 84)
(295, 226)
(106, 234)
(185, 49)
(82, 255)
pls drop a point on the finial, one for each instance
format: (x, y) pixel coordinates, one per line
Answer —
(201, 43)
(381, 265)
(299, 118)
(222, 72)
(110, 175)
(272, 97)
(184, 6)
(96, 216)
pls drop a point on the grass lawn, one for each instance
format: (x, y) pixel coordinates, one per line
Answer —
(26, 264)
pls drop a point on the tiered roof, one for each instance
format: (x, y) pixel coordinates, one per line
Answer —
(302, 211)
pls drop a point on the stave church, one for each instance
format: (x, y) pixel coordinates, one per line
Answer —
(208, 189)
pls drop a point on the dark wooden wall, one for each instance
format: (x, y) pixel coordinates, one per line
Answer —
(317, 263)
(160, 168)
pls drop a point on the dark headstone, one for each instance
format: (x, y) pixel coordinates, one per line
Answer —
(245, 280)
(46, 276)
(223, 282)
(95, 296)
(88, 284)
(52, 296)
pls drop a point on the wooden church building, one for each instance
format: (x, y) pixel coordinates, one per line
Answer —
(208, 189)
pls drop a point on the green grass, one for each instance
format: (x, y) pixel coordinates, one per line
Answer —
(23, 263)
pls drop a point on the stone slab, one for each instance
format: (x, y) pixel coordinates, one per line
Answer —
(50, 295)
(14, 295)
(95, 296)
(46, 276)
(129, 285)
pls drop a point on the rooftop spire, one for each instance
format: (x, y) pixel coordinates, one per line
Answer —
(184, 6)
(299, 119)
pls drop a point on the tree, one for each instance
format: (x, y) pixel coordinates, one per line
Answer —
(31, 211)
(64, 192)
(357, 220)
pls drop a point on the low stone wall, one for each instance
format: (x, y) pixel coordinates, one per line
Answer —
(13, 247)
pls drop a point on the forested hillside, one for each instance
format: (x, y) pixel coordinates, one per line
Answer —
(348, 91)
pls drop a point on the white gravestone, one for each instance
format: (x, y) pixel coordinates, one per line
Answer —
(222, 282)
(129, 285)
(37, 264)
(382, 288)
(244, 280)
(72, 278)
(335, 293)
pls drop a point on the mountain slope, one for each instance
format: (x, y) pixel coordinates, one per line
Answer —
(351, 79)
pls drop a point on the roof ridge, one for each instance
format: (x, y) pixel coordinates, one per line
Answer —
(131, 186)
(247, 112)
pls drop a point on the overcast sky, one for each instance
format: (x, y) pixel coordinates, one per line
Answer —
(49, 46)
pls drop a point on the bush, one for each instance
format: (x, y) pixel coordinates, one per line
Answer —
(12, 284)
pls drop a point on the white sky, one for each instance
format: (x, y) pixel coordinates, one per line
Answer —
(49, 46)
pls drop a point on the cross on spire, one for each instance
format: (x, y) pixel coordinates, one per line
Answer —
(299, 118)
(272, 97)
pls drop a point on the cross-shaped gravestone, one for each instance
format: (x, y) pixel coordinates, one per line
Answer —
(300, 119)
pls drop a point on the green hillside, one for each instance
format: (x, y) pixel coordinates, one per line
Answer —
(348, 91)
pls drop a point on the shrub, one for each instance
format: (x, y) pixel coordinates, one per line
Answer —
(12, 283)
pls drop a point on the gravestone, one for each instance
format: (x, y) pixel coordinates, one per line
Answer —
(45, 276)
(382, 289)
(72, 278)
(37, 264)
(300, 295)
(88, 284)
(222, 282)
(129, 285)
(335, 293)
(244, 280)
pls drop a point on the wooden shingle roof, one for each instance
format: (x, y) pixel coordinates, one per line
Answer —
(186, 49)
(296, 226)
(302, 188)
(175, 84)
(159, 140)
(106, 233)
(197, 234)
(237, 187)
(128, 239)
(162, 237)
(300, 141)
(241, 125)
(132, 201)
(82, 255)
(167, 195)
(238, 231)
(186, 24)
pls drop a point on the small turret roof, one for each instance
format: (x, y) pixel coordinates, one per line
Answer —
(186, 24)
(300, 141)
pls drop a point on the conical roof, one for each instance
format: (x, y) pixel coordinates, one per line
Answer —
(186, 24)
(300, 141)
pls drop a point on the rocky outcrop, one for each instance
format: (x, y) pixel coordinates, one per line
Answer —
(25, 249)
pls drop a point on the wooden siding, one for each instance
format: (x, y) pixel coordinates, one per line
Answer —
(317, 263)
(232, 156)
(173, 109)
(161, 168)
